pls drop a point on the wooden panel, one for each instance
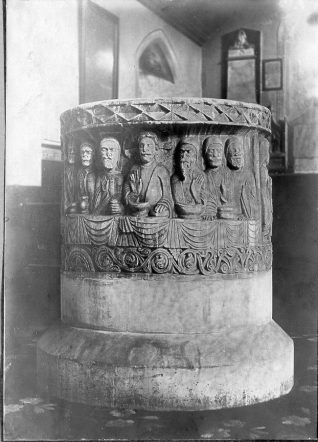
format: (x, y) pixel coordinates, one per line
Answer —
(98, 53)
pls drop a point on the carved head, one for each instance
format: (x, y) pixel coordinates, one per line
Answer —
(187, 157)
(234, 153)
(110, 153)
(148, 144)
(71, 152)
(213, 151)
(87, 154)
(160, 260)
(241, 38)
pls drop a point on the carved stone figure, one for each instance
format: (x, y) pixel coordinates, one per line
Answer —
(266, 192)
(188, 182)
(70, 171)
(213, 154)
(241, 42)
(239, 184)
(86, 178)
(108, 190)
(147, 189)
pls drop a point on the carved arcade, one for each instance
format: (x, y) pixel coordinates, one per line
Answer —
(166, 198)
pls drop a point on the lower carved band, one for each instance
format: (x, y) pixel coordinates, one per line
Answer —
(232, 260)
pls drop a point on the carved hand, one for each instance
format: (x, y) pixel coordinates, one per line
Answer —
(135, 183)
(161, 210)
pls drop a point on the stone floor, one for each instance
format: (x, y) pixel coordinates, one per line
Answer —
(29, 417)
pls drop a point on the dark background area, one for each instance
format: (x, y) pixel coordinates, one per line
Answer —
(295, 252)
(32, 256)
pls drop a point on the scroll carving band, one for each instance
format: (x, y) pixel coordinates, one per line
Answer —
(159, 261)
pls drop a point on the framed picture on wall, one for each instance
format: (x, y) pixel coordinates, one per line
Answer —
(98, 53)
(241, 65)
(272, 74)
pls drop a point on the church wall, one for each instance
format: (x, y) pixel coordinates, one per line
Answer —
(42, 81)
(289, 35)
(135, 23)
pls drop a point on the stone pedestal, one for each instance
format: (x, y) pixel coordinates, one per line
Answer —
(166, 303)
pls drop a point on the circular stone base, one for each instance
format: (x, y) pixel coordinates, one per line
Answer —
(229, 368)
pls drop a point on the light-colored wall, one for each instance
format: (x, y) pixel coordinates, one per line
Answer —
(43, 71)
(291, 37)
(135, 23)
(42, 80)
(301, 42)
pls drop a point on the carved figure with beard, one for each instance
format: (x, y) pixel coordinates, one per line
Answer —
(108, 191)
(86, 178)
(213, 154)
(239, 184)
(188, 182)
(147, 188)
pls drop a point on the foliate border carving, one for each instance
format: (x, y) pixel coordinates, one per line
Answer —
(132, 112)
(227, 261)
(79, 260)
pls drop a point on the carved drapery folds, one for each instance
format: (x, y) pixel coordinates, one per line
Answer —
(167, 186)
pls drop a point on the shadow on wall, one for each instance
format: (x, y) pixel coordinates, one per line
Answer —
(32, 281)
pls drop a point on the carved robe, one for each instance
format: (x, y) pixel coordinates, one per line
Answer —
(70, 195)
(266, 197)
(86, 185)
(215, 190)
(108, 187)
(155, 185)
(183, 190)
(240, 191)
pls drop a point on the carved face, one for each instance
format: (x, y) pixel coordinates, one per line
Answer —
(160, 260)
(187, 158)
(147, 150)
(87, 155)
(109, 151)
(235, 155)
(71, 153)
(214, 154)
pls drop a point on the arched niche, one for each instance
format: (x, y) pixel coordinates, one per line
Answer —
(156, 66)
